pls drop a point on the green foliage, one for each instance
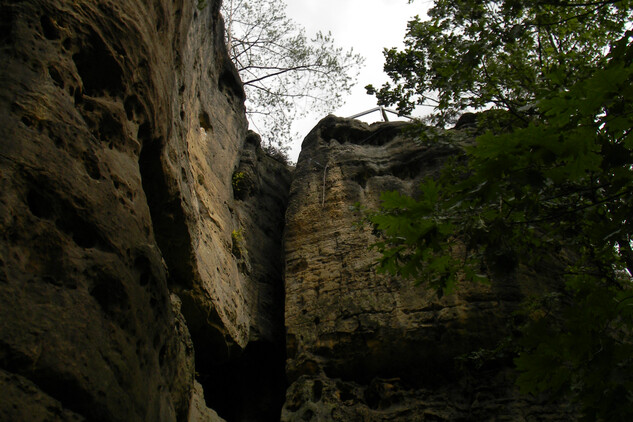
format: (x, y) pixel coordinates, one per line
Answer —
(583, 347)
(556, 185)
(239, 182)
(416, 234)
(285, 73)
(237, 244)
(472, 53)
(201, 4)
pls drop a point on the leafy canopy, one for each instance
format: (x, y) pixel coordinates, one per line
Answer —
(285, 74)
(508, 53)
(549, 179)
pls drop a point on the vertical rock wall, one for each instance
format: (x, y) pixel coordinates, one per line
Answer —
(141, 260)
(121, 125)
(369, 347)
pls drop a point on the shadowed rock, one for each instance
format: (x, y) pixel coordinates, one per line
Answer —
(364, 346)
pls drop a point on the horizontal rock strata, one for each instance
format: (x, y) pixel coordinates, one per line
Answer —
(369, 347)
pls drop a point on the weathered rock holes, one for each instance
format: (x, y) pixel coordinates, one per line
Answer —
(346, 391)
(83, 232)
(408, 170)
(143, 266)
(308, 415)
(298, 266)
(162, 355)
(230, 84)
(144, 134)
(31, 122)
(49, 28)
(125, 190)
(58, 141)
(91, 164)
(98, 69)
(105, 121)
(39, 205)
(109, 292)
(68, 283)
(110, 131)
(132, 107)
(363, 176)
(205, 121)
(56, 76)
(381, 394)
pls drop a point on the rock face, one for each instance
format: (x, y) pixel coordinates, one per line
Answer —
(121, 125)
(142, 267)
(368, 347)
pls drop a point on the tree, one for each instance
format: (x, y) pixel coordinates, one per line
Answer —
(285, 74)
(475, 53)
(550, 174)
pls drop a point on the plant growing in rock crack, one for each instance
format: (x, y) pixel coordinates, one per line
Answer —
(240, 183)
(237, 244)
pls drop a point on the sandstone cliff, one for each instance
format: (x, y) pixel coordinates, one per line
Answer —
(121, 126)
(368, 347)
(148, 244)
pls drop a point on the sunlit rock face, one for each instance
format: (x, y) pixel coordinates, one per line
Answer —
(364, 346)
(121, 126)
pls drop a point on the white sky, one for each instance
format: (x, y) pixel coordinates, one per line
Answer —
(366, 25)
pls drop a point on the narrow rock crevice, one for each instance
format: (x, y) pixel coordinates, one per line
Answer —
(168, 219)
(249, 386)
(240, 383)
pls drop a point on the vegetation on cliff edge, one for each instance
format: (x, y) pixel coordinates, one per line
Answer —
(551, 174)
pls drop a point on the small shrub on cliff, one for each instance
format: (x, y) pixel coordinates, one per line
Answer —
(277, 153)
(241, 184)
(237, 244)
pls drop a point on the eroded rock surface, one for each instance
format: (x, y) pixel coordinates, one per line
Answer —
(369, 347)
(121, 124)
(141, 259)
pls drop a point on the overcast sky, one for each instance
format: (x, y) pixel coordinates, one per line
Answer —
(366, 25)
